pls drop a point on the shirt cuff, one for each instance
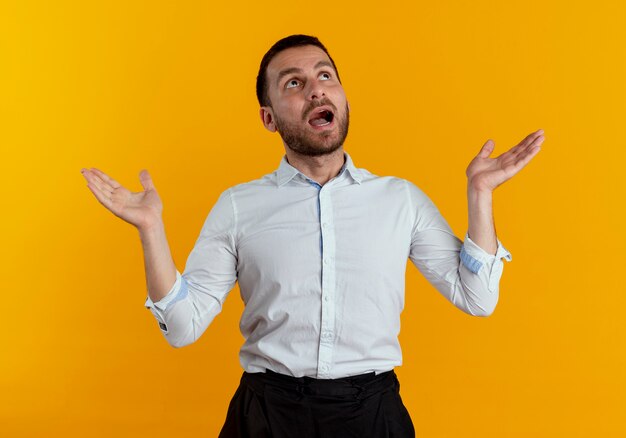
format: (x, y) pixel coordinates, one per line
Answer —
(176, 293)
(474, 257)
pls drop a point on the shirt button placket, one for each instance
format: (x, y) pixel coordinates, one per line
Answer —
(327, 326)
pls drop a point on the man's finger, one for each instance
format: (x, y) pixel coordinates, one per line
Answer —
(532, 136)
(100, 196)
(527, 140)
(106, 178)
(97, 182)
(487, 149)
(524, 158)
(146, 180)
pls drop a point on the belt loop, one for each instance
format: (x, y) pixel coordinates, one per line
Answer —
(360, 389)
(300, 390)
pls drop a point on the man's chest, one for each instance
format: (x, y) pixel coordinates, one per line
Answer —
(300, 237)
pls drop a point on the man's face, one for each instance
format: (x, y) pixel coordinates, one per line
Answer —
(309, 107)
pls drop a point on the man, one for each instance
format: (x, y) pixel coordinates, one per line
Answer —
(319, 248)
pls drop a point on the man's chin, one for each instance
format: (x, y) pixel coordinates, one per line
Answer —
(315, 142)
(314, 150)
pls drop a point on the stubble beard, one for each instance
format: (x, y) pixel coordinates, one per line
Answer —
(313, 144)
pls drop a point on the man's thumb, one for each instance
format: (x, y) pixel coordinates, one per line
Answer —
(487, 149)
(146, 180)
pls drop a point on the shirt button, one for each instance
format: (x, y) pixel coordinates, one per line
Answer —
(326, 298)
(325, 225)
(325, 261)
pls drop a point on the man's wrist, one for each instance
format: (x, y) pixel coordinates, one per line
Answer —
(479, 198)
(150, 229)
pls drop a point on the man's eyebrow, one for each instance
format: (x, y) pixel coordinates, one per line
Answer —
(286, 72)
(291, 70)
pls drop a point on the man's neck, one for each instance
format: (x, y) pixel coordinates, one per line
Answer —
(320, 169)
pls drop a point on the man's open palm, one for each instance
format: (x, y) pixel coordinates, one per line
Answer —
(141, 209)
(485, 173)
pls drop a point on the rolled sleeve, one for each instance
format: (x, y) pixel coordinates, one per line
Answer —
(178, 292)
(197, 295)
(463, 272)
(475, 258)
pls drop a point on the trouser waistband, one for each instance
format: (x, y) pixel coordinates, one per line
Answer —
(356, 386)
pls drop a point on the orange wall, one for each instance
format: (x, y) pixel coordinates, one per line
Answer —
(129, 85)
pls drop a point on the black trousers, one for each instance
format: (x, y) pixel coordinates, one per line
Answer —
(271, 405)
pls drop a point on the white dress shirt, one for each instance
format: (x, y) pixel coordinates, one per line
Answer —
(321, 270)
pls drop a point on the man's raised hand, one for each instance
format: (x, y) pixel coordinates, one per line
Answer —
(485, 173)
(141, 209)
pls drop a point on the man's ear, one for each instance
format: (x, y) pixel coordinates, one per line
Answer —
(267, 117)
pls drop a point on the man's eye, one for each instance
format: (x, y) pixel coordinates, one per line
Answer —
(292, 83)
(325, 75)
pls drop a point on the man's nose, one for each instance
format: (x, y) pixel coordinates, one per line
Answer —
(315, 91)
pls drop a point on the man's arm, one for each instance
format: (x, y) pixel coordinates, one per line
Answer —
(197, 295)
(481, 228)
(484, 174)
(144, 211)
(158, 262)
(461, 271)
(183, 305)
(468, 273)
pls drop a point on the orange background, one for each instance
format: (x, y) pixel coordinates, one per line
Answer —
(129, 85)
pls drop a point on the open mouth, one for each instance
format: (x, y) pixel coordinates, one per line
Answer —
(323, 117)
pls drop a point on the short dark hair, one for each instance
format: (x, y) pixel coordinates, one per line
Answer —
(262, 88)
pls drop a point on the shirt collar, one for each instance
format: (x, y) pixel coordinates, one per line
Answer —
(286, 172)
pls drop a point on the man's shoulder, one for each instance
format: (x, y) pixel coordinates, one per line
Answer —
(400, 186)
(266, 181)
(388, 180)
